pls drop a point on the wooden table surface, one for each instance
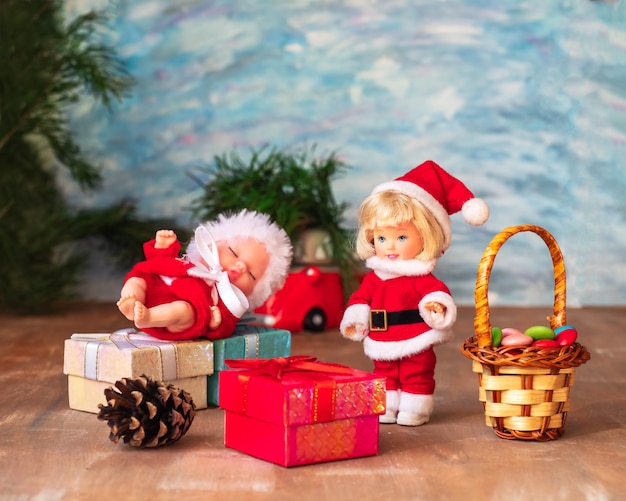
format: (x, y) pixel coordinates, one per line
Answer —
(50, 452)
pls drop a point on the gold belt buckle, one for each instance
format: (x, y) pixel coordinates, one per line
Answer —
(378, 329)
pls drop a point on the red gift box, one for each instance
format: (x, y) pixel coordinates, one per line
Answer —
(294, 411)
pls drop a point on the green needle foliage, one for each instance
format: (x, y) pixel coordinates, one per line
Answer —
(46, 66)
(294, 189)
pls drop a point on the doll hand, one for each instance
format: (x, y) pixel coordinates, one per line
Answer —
(355, 332)
(439, 311)
(164, 238)
(435, 307)
(216, 318)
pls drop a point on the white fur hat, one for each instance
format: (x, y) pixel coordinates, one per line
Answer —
(259, 226)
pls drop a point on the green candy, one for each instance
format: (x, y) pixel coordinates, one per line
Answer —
(540, 332)
(496, 336)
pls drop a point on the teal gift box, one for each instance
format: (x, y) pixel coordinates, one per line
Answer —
(248, 341)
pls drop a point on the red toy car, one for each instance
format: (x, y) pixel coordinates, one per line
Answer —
(311, 300)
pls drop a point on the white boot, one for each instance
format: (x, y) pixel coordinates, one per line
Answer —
(414, 409)
(391, 406)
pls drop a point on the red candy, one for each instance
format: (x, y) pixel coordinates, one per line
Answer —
(547, 343)
(566, 335)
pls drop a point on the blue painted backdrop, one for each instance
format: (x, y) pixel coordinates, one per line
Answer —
(524, 101)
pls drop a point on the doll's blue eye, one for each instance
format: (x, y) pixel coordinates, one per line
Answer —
(402, 238)
(381, 240)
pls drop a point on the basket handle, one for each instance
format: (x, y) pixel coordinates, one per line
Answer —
(482, 326)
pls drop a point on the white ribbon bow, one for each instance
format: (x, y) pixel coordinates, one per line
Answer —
(208, 265)
(233, 298)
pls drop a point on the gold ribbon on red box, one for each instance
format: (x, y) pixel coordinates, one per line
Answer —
(308, 369)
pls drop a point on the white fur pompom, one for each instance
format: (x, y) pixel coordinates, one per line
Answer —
(475, 211)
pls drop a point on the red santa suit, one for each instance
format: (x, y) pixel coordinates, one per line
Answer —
(170, 278)
(398, 333)
(383, 313)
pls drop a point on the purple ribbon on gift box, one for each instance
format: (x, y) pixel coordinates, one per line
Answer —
(128, 339)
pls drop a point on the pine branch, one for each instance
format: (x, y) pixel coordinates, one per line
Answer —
(294, 189)
(27, 114)
(46, 66)
(93, 65)
(72, 63)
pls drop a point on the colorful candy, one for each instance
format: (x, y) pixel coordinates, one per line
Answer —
(566, 335)
(507, 331)
(516, 339)
(496, 336)
(540, 332)
(546, 343)
(539, 336)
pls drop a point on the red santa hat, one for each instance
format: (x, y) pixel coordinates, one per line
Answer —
(441, 193)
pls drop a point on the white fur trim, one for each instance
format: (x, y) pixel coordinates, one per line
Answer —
(475, 211)
(357, 316)
(436, 320)
(413, 402)
(259, 226)
(387, 269)
(395, 350)
(425, 198)
(415, 409)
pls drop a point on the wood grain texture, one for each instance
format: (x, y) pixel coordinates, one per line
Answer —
(48, 451)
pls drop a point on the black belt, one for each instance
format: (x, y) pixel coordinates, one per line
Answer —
(380, 320)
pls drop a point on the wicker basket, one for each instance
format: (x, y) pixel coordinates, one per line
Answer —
(524, 390)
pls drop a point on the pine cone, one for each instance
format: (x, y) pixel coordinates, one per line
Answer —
(147, 413)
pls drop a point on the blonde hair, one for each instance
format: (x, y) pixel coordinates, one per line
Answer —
(393, 208)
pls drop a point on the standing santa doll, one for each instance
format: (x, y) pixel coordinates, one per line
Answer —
(401, 310)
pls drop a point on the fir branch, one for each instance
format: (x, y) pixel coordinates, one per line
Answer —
(46, 66)
(73, 63)
(293, 188)
(93, 65)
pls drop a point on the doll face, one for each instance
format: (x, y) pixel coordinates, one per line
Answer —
(398, 242)
(245, 260)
